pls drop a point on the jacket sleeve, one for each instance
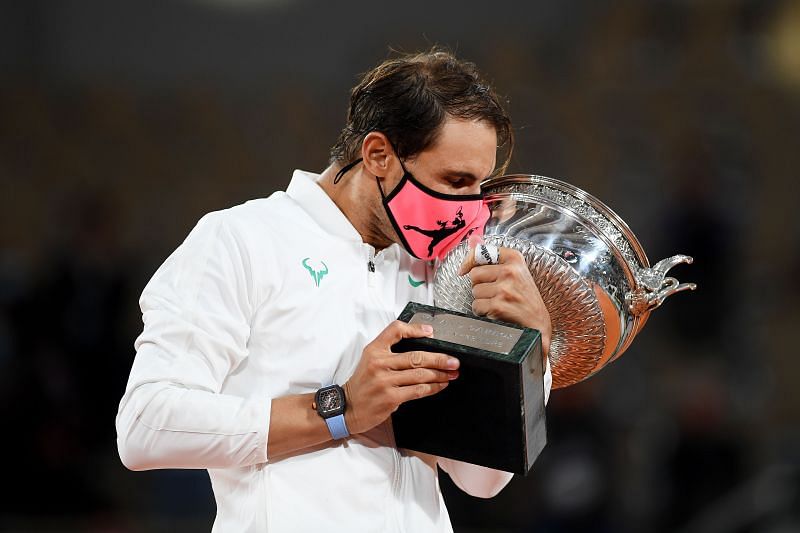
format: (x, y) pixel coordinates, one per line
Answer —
(478, 480)
(196, 312)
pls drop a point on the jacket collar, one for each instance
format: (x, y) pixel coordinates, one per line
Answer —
(305, 190)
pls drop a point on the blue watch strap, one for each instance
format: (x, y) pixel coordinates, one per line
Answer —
(337, 427)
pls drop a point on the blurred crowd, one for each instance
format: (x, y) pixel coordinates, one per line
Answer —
(682, 116)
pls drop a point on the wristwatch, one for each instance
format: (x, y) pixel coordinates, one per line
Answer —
(330, 404)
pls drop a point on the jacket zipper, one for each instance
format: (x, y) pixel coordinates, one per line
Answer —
(396, 475)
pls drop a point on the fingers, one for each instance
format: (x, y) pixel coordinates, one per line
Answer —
(487, 289)
(507, 292)
(418, 359)
(485, 274)
(510, 260)
(480, 253)
(420, 390)
(486, 307)
(415, 376)
(469, 260)
(398, 330)
(516, 272)
(504, 292)
(384, 379)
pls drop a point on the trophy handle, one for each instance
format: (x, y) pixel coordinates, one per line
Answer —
(654, 286)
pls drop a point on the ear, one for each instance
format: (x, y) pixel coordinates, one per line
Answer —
(378, 154)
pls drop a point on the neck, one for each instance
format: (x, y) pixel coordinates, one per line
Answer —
(356, 196)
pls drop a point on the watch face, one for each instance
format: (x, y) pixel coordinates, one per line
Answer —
(329, 401)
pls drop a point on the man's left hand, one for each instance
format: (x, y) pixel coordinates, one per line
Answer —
(506, 291)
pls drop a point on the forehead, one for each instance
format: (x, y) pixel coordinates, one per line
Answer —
(467, 145)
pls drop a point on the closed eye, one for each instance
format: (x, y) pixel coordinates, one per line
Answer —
(458, 179)
(461, 180)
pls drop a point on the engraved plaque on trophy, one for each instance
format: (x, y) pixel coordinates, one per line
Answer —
(493, 413)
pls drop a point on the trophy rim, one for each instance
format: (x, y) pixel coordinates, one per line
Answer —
(582, 195)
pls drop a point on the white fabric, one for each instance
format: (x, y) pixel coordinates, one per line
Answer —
(234, 318)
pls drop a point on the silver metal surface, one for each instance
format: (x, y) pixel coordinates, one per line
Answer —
(591, 271)
(469, 331)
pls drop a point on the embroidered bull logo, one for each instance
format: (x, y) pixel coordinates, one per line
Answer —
(316, 275)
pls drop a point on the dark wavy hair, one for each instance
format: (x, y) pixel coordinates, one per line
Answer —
(408, 99)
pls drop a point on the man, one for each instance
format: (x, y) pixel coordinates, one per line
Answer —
(274, 310)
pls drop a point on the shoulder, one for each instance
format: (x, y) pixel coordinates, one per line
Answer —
(255, 221)
(277, 214)
(255, 212)
(232, 246)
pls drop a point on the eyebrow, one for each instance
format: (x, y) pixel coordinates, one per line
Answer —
(462, 174)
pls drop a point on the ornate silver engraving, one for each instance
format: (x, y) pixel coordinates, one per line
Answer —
(562, 199)
(591, 271)
(578, 325)
(655, 286)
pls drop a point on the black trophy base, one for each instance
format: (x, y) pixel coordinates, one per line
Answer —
(491, 415)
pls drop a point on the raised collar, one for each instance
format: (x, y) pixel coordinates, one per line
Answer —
(305, 190)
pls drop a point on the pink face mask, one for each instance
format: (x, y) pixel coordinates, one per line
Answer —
(431, 223)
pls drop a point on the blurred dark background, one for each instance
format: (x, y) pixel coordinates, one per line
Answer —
(122, 123)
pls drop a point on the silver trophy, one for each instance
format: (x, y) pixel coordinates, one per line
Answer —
(593, 274)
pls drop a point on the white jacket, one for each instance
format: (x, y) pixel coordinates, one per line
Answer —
(266, 299)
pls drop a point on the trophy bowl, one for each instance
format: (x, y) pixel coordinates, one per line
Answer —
(590, 268)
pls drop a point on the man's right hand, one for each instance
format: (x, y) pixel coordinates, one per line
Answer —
(384, 379)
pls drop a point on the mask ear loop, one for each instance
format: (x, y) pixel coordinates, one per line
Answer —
(345, 169)
(399, 160)
(380, 188)
(405, 171)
